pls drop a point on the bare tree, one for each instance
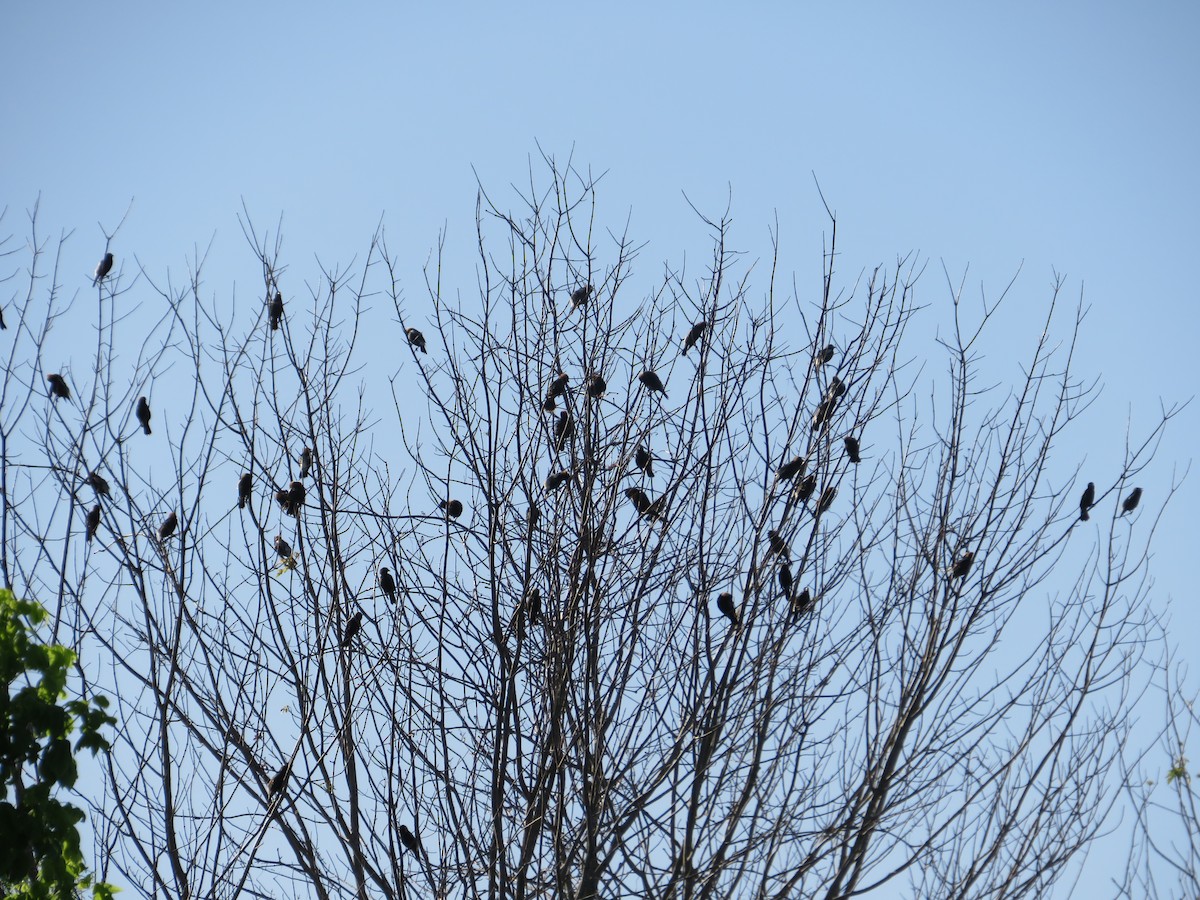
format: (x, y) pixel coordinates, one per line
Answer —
(921, 675)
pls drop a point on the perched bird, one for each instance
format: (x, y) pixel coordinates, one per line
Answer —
(93, 522)
(580, 295)
(963, 565)
(416, 339)
(777, 545)
(596, 386)
(453, 508)
(282, 547)
(805, 489)
(802, 603)
(143, 414)
(97, 484)
(852, 449)
(826, 500)
(278, 780)
(409, 840)
(245, 486)
(564, 430)
(791, 469)
(275, 311)
(725, 605)
(533, 514)
(823, 414)
(387, 583)
(1131, 501)
(652, 382)
(283, 498)
(643, 460)
(643, 504)
(558, 387)
(353, 627)
(103, 268)
(533, 602)
(785, 578)
(836, 389)
(167, 528)
(555, 480)
(58, 387)
(306, 461)
(693, 336)
(295, 498)
(824, 355)
(1087, 501)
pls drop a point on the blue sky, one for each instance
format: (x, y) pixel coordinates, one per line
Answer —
(1057, 137)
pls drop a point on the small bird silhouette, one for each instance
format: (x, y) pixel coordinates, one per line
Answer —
(823, 414)
(725, 605)
(97, 484)
(555, 480)
(306, 461)
(1132, 501)
(58, 387)
(416, 339)
(791, 469)
(353, 627)
(652, 382)
(93, 522)
(533, 602)
(103, 268)
(295, 498)
(409, 840)
(785, 578)
(453, 508)
(143, 414)
(826, 500)
(278, 781)
(852, 449)
(643, 460)
(282, 547)
(802, 603)
(643, 504)
(275, 311)
(580, 295)
(387, 583)
(777, 545)
(805, 488)
(697, 332)
(245, 487)
(1087, 501)
(283, 498)
(596, 386)
(564, 430)
(167, 528)
(558, 386)
(836, 390)
(824, 355)
(963, 565)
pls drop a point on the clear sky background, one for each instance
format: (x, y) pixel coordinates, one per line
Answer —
(1058, 137)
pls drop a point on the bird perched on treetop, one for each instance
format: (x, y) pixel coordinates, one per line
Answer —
(306, 461)
(558, 387)
(580, 295)
(93, 522)
(387, 583)
(103, 268)
(777, 545)
(725, 605)
(824, 413)
(279, 780)
(643, 504)
(283, 499)
(167, 528)
(416, 339)
(805, 488)
(963, 566)
(275, 311)
(1087, 501)
(143, 414)
(352, 628)
(826, 500)
(453, 508)
(282, 547)
(555, 480)
(824, 355)
(693, 336)
(58, 387)
(785, 578)
(852, 449)
(564, 430)
(409, 840)
(643, 460)
(97, 484)
(652, 382)
(802, 603)
(791, 469)
(295, 498)
(245, 487)
(1131, 501)
(533, 602)
(596, 386)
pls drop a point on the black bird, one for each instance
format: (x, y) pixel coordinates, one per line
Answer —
(143, 414)
(416, 339)
(306, 461)
(725, 605)
(282, 547)
(803, 603)
(453, 508)
(534, 604)
(1087, 501)
(58, 387)
(296, 498)
(103, 268)
(409, 840)
(805, 489)
(533, 514)
(826, 500)
(353, 627)
(791, 469)
(275, 311)
(643, 504)
(963, 565)
(693, 336)
(558, 387)
(278, 780)
(1131, 501)
(167, 528)
(652, 382)
(245, 486)
(283, 498)
(785, 578)
(93, 522)
(98, 484)
(778, 546)
(836, 389)
(564, 430)
(387, 583)
(580, 295)
(852, 449)
(824, 355)
(643, 460)
(823, 414)
(596, 386)
(555, 480)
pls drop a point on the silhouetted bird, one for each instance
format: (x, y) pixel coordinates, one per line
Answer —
(802, 603)
(453, 508)
(824, 355)
(93, 522)
(805, 489)
(580, 295)
(58, 387)
(1087, 501)
(725, 605)
(245, 486)
(167, 528)
(693, 336)
(963, 566)
(1132, 501)
(306, 460)
(97, 484)
(143, 414)
(836, 389)
(3, 324)
(279, 780)
(283, 499)
(823, 414)
(596, 386)
(416, 339)
(558, 386)
(533, 603)
(275, 311)
(282, 547)
(555, 480)
(652, 382)
(296, 498)
(532, 515)
(826, 500)
(103, 268)
(852, 449)
(408, 839)
(643, 504)
(353, 627)
(643, 460)
(777, 545)
(785, 578)
(564, 430)
(791, 469)
(387, 583)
